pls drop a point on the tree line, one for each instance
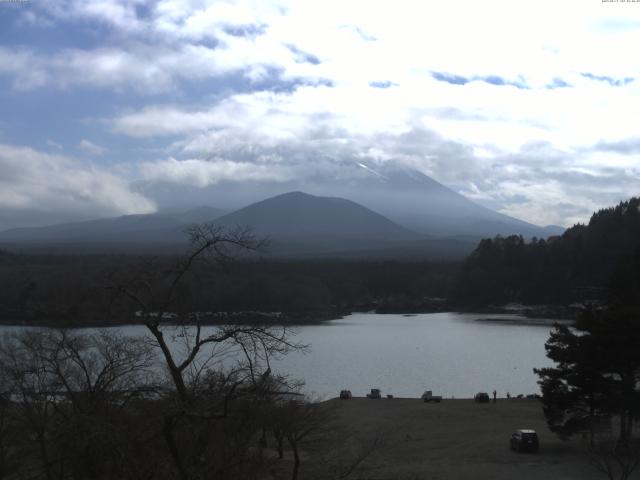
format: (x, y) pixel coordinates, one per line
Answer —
(585, 263)
(73, 290)
(593, 389)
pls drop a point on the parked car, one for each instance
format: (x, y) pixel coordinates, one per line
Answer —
(375, 393)
(482, 397)
(428, 396)
(345, 394)
(524, 440)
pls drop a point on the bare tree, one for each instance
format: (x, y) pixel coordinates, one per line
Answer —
(66, 391)
(8, 430)
(210, 367)
(301, 421)
(614, 459)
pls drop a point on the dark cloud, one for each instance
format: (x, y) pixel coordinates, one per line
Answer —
(247, 31)
(499, 81)
(449, 78)
(382, 84)
(558, 83)
(491, 79)
(628, 146)
(301, 56)
(614, 82)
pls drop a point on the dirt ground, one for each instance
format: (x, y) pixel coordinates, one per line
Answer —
(455, 439)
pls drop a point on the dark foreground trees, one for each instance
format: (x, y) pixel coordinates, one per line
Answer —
(577, 266)
(594, 388)
(69, 402)
(220, 376)
(185, 401)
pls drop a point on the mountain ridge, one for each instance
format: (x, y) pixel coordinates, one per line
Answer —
(302, 224)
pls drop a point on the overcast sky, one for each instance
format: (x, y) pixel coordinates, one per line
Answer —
(529, 107)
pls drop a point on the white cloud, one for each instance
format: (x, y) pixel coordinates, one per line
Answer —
(91, 148)
(318, 66)
(36, 181)
(121, 14)
(54, 144)
(202, 173)
(313, 130)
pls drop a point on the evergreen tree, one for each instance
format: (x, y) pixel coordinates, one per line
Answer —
(597, 373)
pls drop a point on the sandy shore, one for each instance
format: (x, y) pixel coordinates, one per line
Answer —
(455, 439)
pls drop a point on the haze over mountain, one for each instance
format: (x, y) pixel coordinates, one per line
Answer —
(157, 228)
(418, 202)
(404, 195)
(420, 217)
(297, 225)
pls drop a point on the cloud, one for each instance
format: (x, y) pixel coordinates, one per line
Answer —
(453, 79)
(615, 82)
(310, 136)
(558, 83)
(627, 146)
(146, 69)
(91, 148)
(203, 173)
(120, 14)
(159, 47)
(276, 91)
(382, 84)
(490, 79)
(33, 181)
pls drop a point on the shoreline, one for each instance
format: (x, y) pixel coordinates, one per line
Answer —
(535, 314)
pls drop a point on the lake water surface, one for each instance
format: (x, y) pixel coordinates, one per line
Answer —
(452, 354)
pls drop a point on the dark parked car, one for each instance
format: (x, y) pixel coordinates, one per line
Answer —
(345, 394)
(524, 441)
(375, 393)
(482, 397)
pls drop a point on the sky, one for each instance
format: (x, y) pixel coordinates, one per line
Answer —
(118, 107)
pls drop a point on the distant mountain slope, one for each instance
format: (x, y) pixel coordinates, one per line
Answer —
(297, 223)
(157, 228)
(402, 194)
(303, 225)
(301, 214)
(200, 214)
(422, 204)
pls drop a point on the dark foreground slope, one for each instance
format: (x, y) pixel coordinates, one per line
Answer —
(455, 439)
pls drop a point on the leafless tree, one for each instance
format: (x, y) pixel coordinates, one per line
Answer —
(210, 367)
(302, 420)
(614, 459)
(65, 391)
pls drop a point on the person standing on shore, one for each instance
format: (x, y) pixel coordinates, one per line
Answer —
(494, 396)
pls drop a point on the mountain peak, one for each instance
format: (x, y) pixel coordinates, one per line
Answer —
(299, 214)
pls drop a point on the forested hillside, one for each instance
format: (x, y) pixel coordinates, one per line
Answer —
(62, 290)
(591, 261)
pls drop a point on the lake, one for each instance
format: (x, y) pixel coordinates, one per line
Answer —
(453, 354)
